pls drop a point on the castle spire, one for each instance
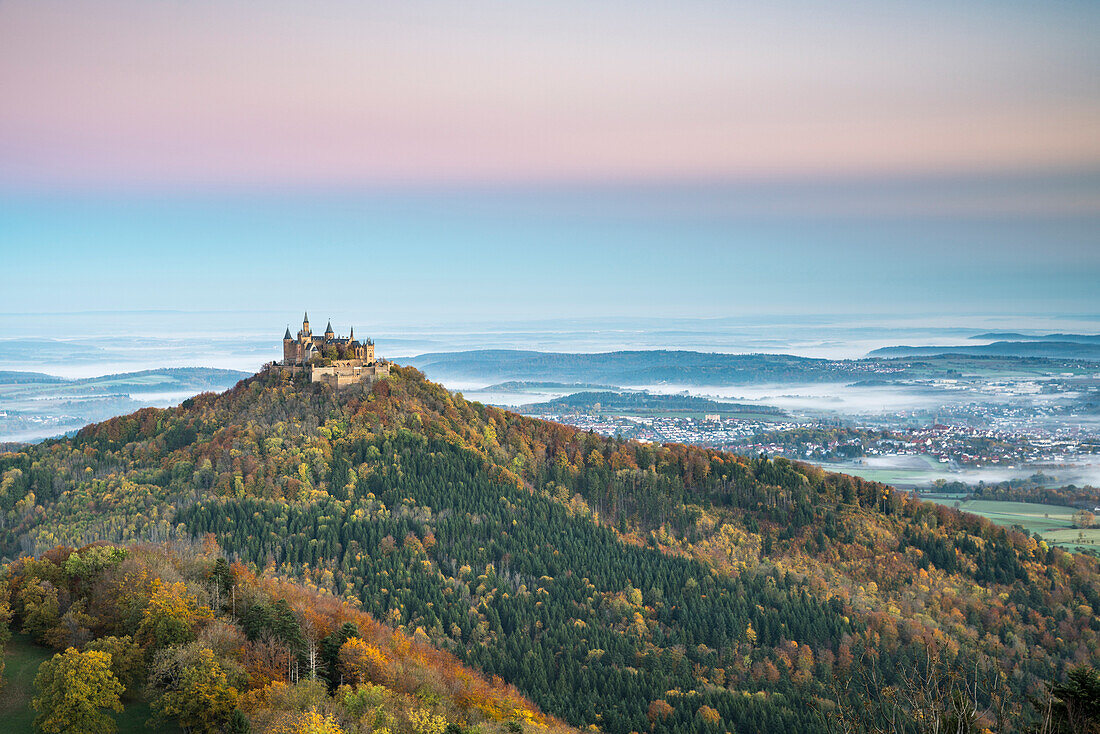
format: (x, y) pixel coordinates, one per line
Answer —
(328, 330)
(287, 334)
(351, 336)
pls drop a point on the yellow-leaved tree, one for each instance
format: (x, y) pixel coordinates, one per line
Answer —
(171, 615)
(361, 662)
(190, 685)
(305, 722)
(75, 691)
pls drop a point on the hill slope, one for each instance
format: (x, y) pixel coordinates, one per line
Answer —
(631, 587)
(197, 642)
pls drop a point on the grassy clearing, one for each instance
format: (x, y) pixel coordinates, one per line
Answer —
(1053, 523)
(904, 472)
(901, 477)
(1032, 516)
(23, 657)
(1074, 539)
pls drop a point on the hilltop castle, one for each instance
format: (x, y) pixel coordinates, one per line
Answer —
(334, 360)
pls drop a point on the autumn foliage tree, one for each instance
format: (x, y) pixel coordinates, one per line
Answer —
(189, 685)
(361, 662)
(127, 659)
(171, 615)
(659, 710)
(5, 635)
(75, 691)
(238, 669)
(305, 722)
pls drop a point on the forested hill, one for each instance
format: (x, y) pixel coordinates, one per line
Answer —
(629, 401)
(638, 367)
(625, 586)
(682, 367)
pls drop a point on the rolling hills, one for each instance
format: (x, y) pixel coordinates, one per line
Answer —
(682, 367)
(1089, 350)
(623, 586)
(1018, 337)
(34, 405)
(648, 403)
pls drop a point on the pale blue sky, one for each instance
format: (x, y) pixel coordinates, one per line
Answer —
(940, 246)
(522, 159)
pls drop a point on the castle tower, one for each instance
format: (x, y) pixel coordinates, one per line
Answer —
(329, 334)
(288, 347)
(305, 326)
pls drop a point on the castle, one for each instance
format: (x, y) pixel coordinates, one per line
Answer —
(333, 360)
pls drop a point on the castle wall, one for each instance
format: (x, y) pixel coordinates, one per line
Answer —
(343, 375)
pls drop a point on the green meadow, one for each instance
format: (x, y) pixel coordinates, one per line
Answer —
(1052, 522)
(22, 659)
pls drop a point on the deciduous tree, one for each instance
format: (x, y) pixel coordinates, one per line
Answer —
(189, 685)
(75, 692)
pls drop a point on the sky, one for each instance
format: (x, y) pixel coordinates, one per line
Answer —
(513, 159)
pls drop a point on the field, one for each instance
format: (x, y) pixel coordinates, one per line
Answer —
(1073, 539)
(920, 471)
(1053, 523)
(1032, 517)
(904, 472)
(23, 658)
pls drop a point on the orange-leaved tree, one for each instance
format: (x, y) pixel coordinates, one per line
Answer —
(361, 662)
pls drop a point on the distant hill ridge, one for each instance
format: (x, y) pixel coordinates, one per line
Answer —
(632, 367)
(641, 368)
(1017, 337)
(626, 401)
(36, 405)
(28, 378)
(182, 375)
(1050, 349)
